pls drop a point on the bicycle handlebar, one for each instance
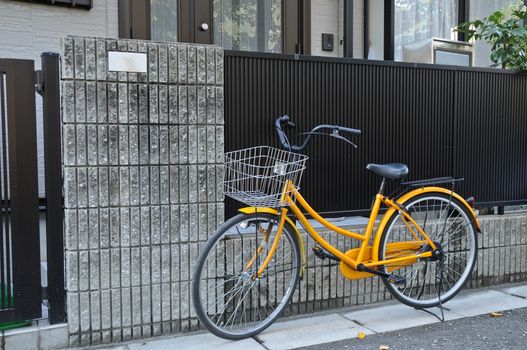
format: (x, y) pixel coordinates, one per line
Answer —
(337, 128)
(284, 121)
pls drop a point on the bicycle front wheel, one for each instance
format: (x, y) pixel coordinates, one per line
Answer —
(448, 223)
(230, 299)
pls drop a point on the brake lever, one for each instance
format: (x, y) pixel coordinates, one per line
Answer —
(336, 135)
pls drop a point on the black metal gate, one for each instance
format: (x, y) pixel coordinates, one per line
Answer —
(20, 291)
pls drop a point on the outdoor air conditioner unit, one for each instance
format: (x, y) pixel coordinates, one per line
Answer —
(440, 51)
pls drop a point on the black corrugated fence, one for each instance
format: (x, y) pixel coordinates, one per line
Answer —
(439, 120)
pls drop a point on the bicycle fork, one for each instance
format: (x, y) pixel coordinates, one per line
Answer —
(272, 251)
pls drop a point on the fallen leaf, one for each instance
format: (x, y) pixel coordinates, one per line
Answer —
(384, 347)
(496, 314)
(361, 335)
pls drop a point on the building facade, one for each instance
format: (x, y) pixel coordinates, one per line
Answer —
(368, 29)
(363, 29)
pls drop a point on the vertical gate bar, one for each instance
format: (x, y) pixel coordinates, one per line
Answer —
(53, 180)
(6, 210)
(6, 206)
(23, 188)
(3, 208)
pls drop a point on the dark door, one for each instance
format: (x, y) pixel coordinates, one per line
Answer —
(202, 21)
(161, 20)
(195, 21)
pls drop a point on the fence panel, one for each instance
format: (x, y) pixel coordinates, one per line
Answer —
(405, 115)
(491, 125)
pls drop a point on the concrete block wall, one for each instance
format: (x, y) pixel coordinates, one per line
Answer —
(501, 259)
(143, 168)
(502, 254)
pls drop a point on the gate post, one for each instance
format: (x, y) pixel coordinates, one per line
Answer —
(53, 180)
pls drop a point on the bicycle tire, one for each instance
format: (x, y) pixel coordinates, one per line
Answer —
(422, 289)
(256, 297)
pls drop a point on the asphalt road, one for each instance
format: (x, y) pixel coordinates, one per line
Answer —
(480, 332)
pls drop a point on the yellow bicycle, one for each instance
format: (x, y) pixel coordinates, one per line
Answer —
(424, 246)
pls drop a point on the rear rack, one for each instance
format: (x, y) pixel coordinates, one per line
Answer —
(434, 181)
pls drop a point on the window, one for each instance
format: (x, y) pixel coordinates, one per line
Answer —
(248, 25)
(417, 20)
(480, 9)
(375, 30)
(392, 24)
(163, 20)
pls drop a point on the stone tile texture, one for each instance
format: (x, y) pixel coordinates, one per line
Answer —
(142, 184)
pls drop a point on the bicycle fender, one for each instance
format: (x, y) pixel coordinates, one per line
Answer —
(252, 210)
(405, 198)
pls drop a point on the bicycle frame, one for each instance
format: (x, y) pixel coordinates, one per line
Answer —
(291, 196)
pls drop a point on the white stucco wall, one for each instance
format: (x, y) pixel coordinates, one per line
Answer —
(27, 30)
(358, 29)
(327, 16)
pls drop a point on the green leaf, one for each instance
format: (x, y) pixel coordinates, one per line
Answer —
(506, 32)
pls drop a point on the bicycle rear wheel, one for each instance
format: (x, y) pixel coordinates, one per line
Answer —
(230, 300)
(448, 223)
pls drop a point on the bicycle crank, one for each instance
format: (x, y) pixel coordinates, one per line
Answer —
(393, 279)
(322, 254)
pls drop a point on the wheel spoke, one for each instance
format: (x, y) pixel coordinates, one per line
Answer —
(233, 299)
(447, 224)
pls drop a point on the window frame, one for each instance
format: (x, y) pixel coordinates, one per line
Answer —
(80, 4)
(389, 25)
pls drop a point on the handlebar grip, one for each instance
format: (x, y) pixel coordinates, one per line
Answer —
(349, 130)
(279, 123)
(283, 119)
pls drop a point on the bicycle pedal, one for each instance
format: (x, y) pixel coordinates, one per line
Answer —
(394, 279)
(322, 254)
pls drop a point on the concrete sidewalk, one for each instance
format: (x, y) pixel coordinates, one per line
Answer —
(302, 331)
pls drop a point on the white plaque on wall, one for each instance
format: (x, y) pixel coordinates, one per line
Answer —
(132, 62)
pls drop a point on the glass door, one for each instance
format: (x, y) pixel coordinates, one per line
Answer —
(248, 25)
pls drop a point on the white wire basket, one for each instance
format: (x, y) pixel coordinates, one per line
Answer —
(257, 176)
